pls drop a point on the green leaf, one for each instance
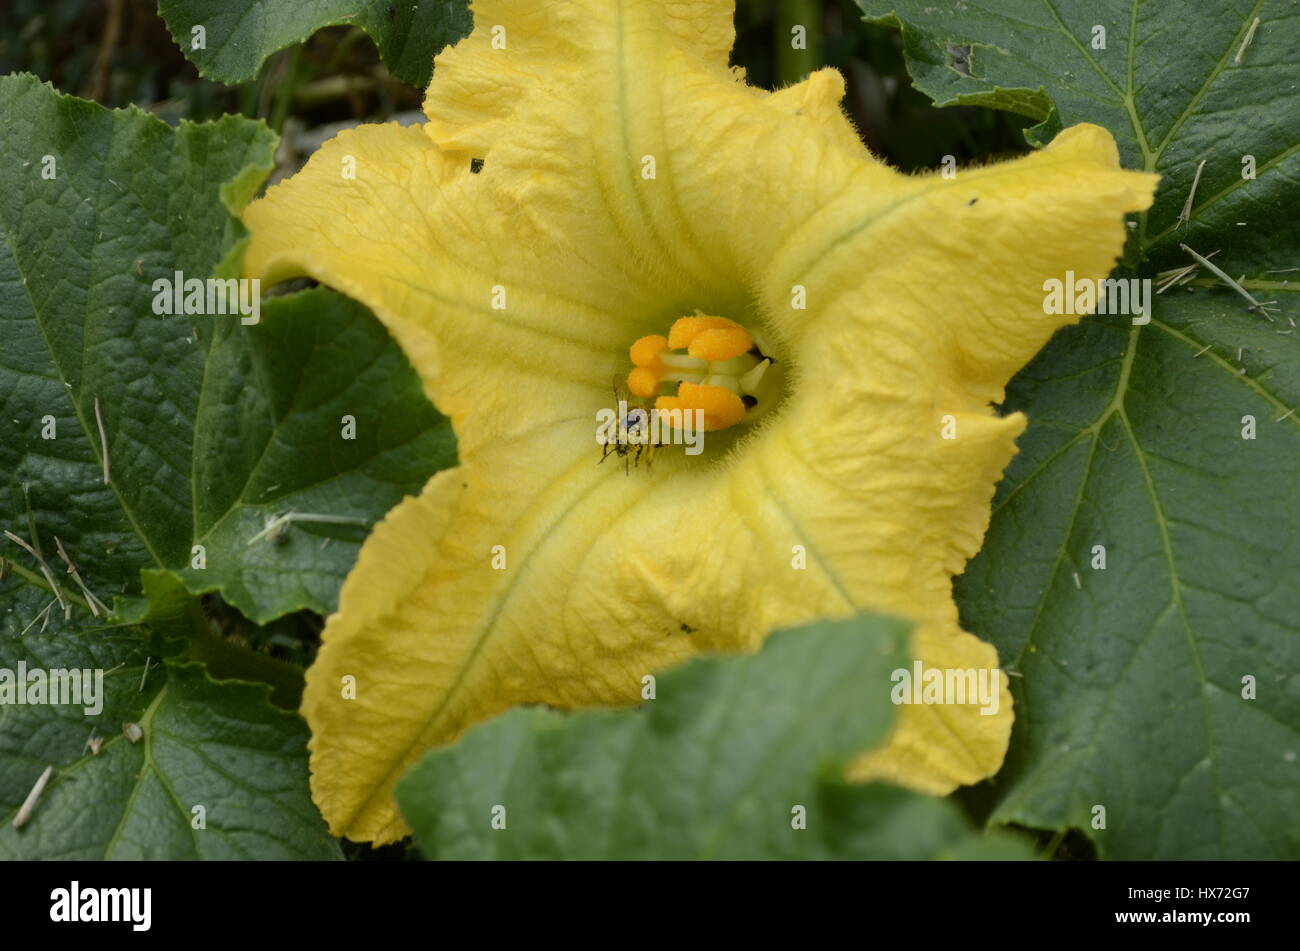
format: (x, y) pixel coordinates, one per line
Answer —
(213, 426)
(1133, 694)
(239, 34)
(714, 767)
(270, 442)
(221, 746)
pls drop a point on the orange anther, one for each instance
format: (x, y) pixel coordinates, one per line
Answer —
(645, 352)
(643, 382)
(720, 343)
(722, 408)
(686, 329)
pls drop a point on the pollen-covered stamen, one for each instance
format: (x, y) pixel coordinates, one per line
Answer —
(720, 407)
(722, 371)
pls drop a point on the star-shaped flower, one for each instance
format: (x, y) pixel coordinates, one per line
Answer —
(593, 172)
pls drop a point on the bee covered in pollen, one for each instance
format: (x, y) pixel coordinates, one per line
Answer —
(626, 432)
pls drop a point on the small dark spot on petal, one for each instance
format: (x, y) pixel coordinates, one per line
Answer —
(687, 629)
(972, 201)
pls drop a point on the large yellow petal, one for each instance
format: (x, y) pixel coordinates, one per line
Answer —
(426, 244)
(473, 597)
(522, 57)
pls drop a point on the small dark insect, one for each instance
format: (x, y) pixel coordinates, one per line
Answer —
(972, 201)
(630, 453)
(475, 166)
(687, 629)
(636, 420)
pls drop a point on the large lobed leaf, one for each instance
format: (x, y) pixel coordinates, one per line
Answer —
(216, 745)
(213, 426)
(1132, 689)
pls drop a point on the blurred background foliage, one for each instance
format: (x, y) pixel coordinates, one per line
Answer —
(119, 52)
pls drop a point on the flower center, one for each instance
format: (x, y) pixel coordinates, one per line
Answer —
(722, 371)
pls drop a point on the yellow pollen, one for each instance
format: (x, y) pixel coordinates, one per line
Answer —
(722, 408)
(645, 352)
(643, 382)
(686, 329)
(719, 373)
(721, 344)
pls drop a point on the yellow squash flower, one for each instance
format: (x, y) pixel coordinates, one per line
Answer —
(591, 173)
